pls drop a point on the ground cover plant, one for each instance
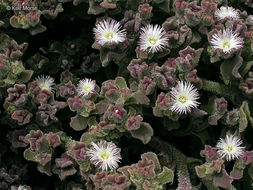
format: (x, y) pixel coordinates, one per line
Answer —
(126, 94)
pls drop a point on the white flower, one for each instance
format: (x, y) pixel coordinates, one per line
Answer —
(230, 148)
(226, 40)
(226, 12)
(152, 38)
(22, 187)
(109, 32)
(45, 82)
(86, 87)
(105, 155)
(251, 19)
(184, 97)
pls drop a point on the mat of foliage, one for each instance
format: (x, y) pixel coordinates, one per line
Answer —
(48, 129)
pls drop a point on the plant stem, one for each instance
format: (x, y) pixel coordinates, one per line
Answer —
(180, 160)
(219, 89)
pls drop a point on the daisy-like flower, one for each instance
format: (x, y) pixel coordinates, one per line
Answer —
(45, 82)
(86, 87)
(106, 155)
(184, 97)
(109, 32)
(226, 40)
(152, 38)
(226, 12)
(230, 148)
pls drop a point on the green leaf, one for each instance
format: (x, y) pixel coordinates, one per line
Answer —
(245, 68)
(56, 48)
(92, 121)
(144, 133)
(244, 117)
(9, 81)
(250, 171)
(165, 6)
(85, 114)
(152, 156)
(29, 155)
(201, 171)
(78, 122)
(141, 98)
(230, 68)
(25, 76)
(166, 176)
(87, 138)
(222, 180)
(120, 82)
(94, 8)
(46, 169)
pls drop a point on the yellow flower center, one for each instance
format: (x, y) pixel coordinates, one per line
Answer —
(226, 45)
(109, 36)
(152, 40)
(229, 148)
(104, 155)
(43, 87)
(182, 99)
(87, 88)
(225, 14)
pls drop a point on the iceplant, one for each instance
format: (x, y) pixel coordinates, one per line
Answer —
(230, 148)
(104, 155)
(45, 82)
(226, 12)
(184, 97)
(109, 32)
(226, 40)
(152, 38)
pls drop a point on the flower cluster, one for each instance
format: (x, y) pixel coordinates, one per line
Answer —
(88, 87)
